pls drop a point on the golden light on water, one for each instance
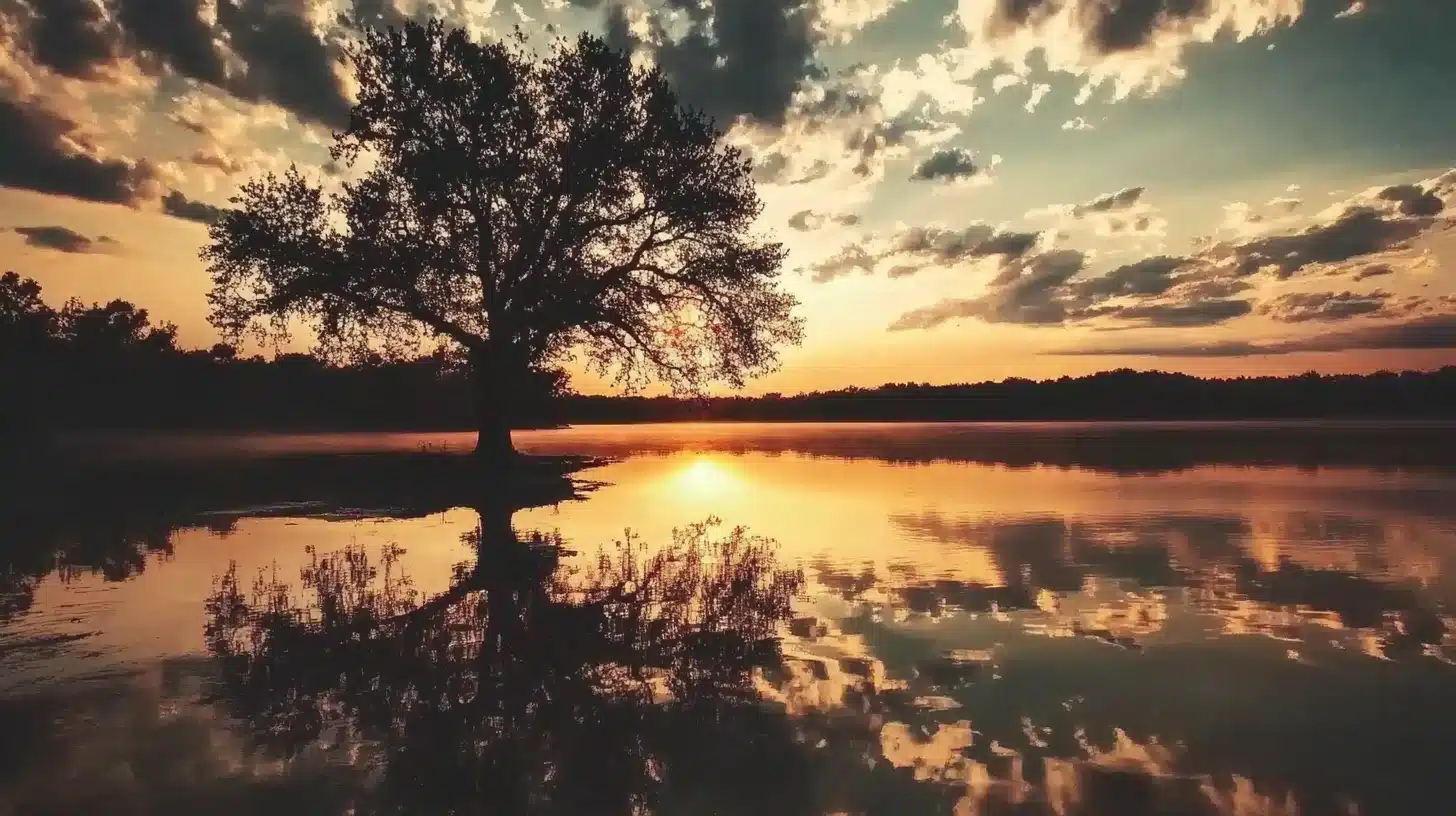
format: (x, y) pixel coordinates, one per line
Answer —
(705, 477)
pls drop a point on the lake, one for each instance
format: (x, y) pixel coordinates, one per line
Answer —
(1051, 618)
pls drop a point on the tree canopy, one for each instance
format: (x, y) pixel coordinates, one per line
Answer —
(522, 209)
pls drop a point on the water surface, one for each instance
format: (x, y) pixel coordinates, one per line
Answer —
(1157, 618)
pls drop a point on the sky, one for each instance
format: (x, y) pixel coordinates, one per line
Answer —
(968, 189)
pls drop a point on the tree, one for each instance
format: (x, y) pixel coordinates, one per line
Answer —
(521, 210)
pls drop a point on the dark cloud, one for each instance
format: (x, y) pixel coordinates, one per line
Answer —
(1302, 307)
(818, 170)
(809, 220)
(178, 205)
(946, 246)
(1414, 200)
(215, 158)
(1128, 25)
(952, 164)
(805, 220)
(869, 143)
(39, 152)
(770, 168)
(1120, 200)
(71, 37)
(1434, 332)
(284, 61)
(1374, 271)
(1196, 286)
(927, 246)
(1140, 224)
(1044, 289)
(288, 63)
(1149, 276)
(739, 57)
(853, 258)
(1011, 15)
(1180, 315)
(1358, 232)
(172, 33)
(1033, 296)
(618, 31)
(1009, 244)
(1186, 292)
(61, 239)
(186, 121)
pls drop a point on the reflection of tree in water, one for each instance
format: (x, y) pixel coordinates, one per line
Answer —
(112, 548)
(77, 518)
(622, 686)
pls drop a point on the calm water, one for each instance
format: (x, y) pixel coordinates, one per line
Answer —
(915, 619)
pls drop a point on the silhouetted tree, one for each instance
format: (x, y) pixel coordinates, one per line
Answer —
(520, 209)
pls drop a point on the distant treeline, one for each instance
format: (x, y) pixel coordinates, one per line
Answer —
(1110, 395)
(107, 366)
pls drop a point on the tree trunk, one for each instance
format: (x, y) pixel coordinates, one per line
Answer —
(493, 445)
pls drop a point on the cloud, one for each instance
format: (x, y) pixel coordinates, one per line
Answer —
(1078, 123)
(288, 63)
(949, 165)
(216, 158)
(1422, 333)
(809, 220)
(1180, 315)
(43, 151)
(1285, 203)
(1039, 92)
(914, 248)
(735, 58)
(62, 239)
(74, 38)
(1149, 276)
(1203, 288)
(256, 50)
(1357, 232)
(853, 258)
(1374, 271)
(1133, 45)
(172, 34)
(1030, 296)
(377, 13)
(1413, 199)
(178, 205)
(839, 20)
(1111, 202)
(1325, 307)
(1356, 7)
(838, 128)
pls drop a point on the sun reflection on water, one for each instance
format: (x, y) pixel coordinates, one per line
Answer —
(704, 478)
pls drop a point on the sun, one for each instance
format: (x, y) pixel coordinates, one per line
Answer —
(705, 477)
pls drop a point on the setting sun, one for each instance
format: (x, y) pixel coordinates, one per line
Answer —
(704, 477)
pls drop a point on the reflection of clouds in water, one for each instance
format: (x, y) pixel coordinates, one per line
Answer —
(1328, 591)
(936, 741)
(1276, 576)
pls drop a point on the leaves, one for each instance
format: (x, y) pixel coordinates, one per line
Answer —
(529, 207)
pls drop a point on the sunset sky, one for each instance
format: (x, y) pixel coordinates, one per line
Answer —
(969, 189)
